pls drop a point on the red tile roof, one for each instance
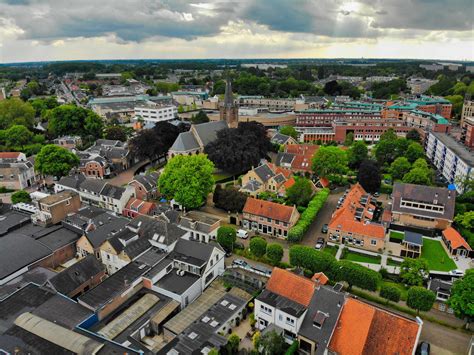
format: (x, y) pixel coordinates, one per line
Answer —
(324, 182)
(365, 329)
(294, 287)
(303, 149)
(289, 183)
(9, 155)
(268, 209)
(320, 277)
(455, 239)
(344, 218)
(139, 206)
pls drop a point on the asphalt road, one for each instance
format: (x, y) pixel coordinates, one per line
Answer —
(444, 340)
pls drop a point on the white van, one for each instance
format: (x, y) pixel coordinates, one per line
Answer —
(242, 234)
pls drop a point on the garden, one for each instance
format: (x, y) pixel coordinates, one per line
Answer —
(359, 257)
(437, 257)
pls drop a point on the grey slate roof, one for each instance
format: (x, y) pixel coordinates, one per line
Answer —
(426, 194)
(112, 191)
(77, 274)
(148, 181)
(207, 132)
(264, 172)
(19, 251)
(92, 185)
(436, 285)
(413, 238)
(113, 285)
(252, 186)
(280, 178)
(72, 181)
(284, 158)
(193, 252)
(282, 303)
(328, 301)
(39, 275)
(151, 228)
(111, 225)
(280, 138)
(184, 142)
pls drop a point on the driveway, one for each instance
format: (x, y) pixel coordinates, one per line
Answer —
(323, 217)
(444, 340)
(126, 176)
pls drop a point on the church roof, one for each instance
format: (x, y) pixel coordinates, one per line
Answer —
(184, 142)
(207, 132)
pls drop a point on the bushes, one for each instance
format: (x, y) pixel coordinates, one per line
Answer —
(258, 246)
(390, 293)
(316, 261)
(293, 348)
(420, 299)
(226, 237)
(307, 217)
(21, 196)
(274, 253)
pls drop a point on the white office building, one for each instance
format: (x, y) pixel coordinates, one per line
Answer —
(452, 159)
(151, 113)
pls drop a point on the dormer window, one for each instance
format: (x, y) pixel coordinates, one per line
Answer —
(319, 319)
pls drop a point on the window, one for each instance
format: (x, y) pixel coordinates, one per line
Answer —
(290, 321)
(266, 309)
(373, 242)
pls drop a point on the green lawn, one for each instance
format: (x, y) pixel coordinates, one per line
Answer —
(402, 288)
(220, 176)
(397, 235)
(362, 258)
(331, 249)
(392, 262)
(437, 257)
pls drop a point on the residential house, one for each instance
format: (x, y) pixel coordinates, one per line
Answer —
(365, 329)
(442, 290)
(267, 178)
(353, 222)
(136, 207)
(146, 186)
(284, 302)
(422, 207)
(411, 245)
(53, 209)
(79, 277)
(16, 171)
(185, 272)
(320, 320)
(269, 217)
(201, 226)
(70, 182)
(68, 142)
(283, 139)
(194, 140)
(297, 157)
(455, 243)
(105, 195)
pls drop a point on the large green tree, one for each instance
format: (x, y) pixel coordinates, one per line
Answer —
(74, 120)
(187, 179)
(462, 296)
(414, 152)
(357, 153)
(14, 111)
(226, 237)
(200, 117)
(390, 293)
(414, 271)
(289, 131)
(330, 161)
(18, 136)
(258, 246)
(56, 161)
(399, 168)
(20, 196)
(115, 133)
(420, 299)
(274, 253)
(272, 343)
(300, 192)
(369, 175)
(155, 142)
(229, 199)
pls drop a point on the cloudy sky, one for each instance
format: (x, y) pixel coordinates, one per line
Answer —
(34, 30)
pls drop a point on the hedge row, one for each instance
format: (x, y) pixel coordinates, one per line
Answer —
(352, 273)
(297, 232)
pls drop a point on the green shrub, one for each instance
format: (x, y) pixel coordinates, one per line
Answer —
(258, 246)
(311, 259)
(20, 196)
(297, 232)
(274, 253)
(293, 348)
(390, 293)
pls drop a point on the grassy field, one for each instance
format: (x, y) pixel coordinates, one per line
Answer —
(361, 258)
(437, 257)
(392, 262)
(397, 235)
(330, 249)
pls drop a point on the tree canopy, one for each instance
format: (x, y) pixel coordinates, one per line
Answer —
(289, 131)
(462, 296)
(414, 271)
(329, 161)
(200, 117)
(56, 161)
(369, 175)
(399, 168)
(20, 196)
(258, 246)
(415, 151)
(237, 150)
(115, 133)
(420, 299)
(187, 179)
(155, 142)
(357, 153)
(14, 111)
(300, 192)
(226, 237)
(229, 199)
(274, 253)
(74, 120)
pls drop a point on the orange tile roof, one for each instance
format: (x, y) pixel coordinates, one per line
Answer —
(302, 162)
(294, 287)
(9, 155)
(304, 149)
(289, 183)
(142, 207)
(365, 329)
(268, 209)
(344, 218)
(324, 182)
(320, 277)
(455, 239)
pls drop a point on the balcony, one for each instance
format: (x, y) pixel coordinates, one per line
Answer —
(42, 218)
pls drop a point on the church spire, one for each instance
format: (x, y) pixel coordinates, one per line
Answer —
(228, 97)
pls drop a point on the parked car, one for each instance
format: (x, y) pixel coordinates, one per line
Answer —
(241, 233)
(319, 244)
(376, 194)
(324, 229)
(423, 348)
(240, 262)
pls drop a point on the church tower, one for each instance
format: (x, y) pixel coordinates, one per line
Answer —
(228, 109)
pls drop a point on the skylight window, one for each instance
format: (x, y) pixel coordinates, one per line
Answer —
(224, 303)
(232, 307)
(206, 319)
(214, 323)
(192, 336)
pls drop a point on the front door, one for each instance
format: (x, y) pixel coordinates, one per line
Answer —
(264, 229)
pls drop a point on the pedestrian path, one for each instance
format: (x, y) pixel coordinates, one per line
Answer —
(339, 251)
